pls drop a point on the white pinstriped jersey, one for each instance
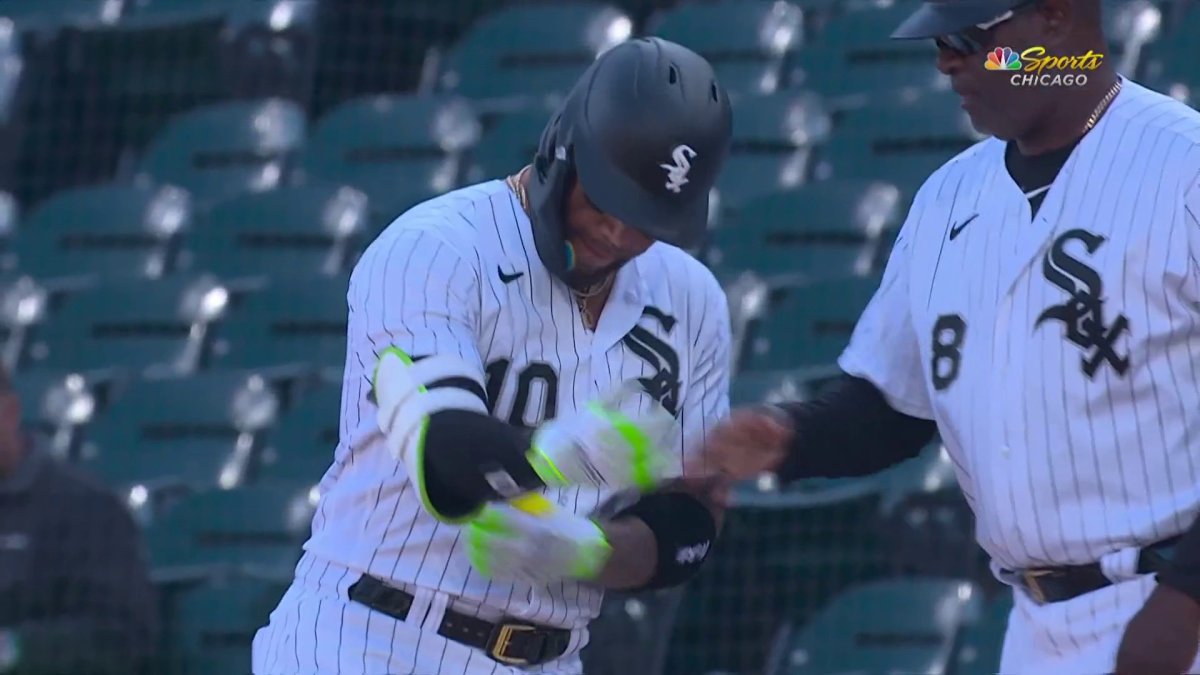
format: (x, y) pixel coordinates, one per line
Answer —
(460, 275)
(1058, 353)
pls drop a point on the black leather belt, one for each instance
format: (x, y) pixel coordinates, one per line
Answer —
(508, 642)
(1055, 584)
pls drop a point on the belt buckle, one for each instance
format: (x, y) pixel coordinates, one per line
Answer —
(1029, 579)
(502, 638)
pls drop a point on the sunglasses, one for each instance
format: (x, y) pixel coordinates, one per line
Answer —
(975, 39)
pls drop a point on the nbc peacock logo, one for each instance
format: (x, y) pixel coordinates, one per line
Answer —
(1002, 58)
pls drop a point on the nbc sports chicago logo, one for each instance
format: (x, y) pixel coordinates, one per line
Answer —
(1034, 68)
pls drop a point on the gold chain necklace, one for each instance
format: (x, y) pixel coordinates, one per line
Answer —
(581, 296)
(1103, 106)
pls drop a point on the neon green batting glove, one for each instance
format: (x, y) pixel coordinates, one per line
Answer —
(505, 542)
(617, 442)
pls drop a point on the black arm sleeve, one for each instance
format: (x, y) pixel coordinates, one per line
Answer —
(850, 430)
(463, 449)
(1183, 573)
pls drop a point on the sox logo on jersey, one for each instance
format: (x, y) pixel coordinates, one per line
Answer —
(1054, 342)
(461, 275)
(1082, 315)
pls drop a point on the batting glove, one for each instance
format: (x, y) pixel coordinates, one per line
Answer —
(616, 442)
(506, 542)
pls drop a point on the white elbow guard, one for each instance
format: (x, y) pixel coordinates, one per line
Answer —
(408, 392)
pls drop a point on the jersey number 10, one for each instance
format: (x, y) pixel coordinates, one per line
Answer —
(536, 372)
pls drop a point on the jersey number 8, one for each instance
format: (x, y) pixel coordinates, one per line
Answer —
(948, 333)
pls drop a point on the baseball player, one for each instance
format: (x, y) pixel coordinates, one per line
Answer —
(1040, 310)
(540, 335)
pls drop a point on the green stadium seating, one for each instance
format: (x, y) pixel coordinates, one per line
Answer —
(532, 51)
(775, 386)
(151, 328)
(773, 138)
(399, 150)
(41, 14)
(807, 325)
(816, 231)
(982, 641)
(891, 626)
(220, 150)
(507, 145)
(851, 61)
(1173, 57)
(299, 230)
(300, 322)
(255, 529)
(226, 415)
(303, 443)
(110, 230)
(899, 144)
(211, 627)
(746, 42)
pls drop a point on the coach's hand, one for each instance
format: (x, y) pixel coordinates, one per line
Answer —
(1162, 638)
(506, 542)
(751, 441)
(617, 442)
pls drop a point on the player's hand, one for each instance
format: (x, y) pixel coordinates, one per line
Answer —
(1163, 637)
(616, 442)
(505, 542)
(751, 441)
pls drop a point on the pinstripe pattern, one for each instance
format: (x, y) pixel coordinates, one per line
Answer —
(430, 284)
(1059, 467)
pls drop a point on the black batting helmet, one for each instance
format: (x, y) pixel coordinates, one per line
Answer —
(646, 131)
(956, 18)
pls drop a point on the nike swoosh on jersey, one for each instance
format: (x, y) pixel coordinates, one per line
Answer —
(508, 278)
(956, 229)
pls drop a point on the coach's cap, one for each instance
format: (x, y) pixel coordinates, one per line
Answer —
(935, 18)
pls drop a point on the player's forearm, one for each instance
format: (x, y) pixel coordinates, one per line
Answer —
(688, 528)
(634, 554)
(850, 431)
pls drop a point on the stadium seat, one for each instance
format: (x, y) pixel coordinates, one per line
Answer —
(16, 83)
(151, 328)
(817, 231)
(982, 641)
(926, 522)
(532, 51)
(899, 144)
(221, 150)
(299, 322)
(1174, 56)
(59, 405)
(807, 325)
(893, 626)
(1129, 26)
(43, 15)
(772, 145)
(299, 230)
(508, 145)
(110, 230)
(302, 445)
(399, 150)
(10, 218)
(746, 42)
(211, 627)
(776, 386)
(852, 62)
(192, 432)
(255, 529)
